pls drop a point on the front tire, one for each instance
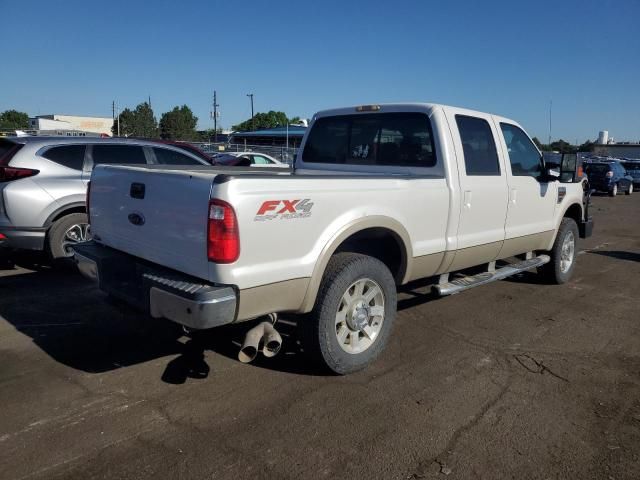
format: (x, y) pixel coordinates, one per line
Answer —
(66, 231)
(629, 190)
(614, 190)
(351, 321)
(563, 254)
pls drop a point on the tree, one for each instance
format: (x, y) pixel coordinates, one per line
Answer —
(146, 124)
(586, 146)
(127, 120)
(179, 124)
(137, 123)
(538, 143)
(12, 120)
(260, 121)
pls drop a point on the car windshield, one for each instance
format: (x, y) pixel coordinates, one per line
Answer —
(632, 166)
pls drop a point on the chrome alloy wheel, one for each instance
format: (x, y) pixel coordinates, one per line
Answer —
(360, 316)
(77, 233)
(567, 252)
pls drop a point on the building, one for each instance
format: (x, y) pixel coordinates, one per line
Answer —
(618, 150)
(94, 125)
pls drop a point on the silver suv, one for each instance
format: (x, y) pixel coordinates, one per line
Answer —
(43, 184)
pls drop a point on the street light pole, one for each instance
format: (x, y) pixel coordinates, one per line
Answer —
(250, 95)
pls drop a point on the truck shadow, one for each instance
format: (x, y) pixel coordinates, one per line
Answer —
(68, 318)
(617, 254)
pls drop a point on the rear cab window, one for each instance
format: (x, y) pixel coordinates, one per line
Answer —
(70, 156)
(393, 141)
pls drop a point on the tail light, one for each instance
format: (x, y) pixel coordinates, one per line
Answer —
(88, 203)
(223, 239)
(609, 174)
(7, 174)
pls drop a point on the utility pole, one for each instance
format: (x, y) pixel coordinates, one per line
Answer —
(215, 117)
(113, 114)
(550, 105)
(250, 95)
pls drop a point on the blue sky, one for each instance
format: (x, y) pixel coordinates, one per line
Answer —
(505, 57)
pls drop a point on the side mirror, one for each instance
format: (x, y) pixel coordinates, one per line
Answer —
(551, 172)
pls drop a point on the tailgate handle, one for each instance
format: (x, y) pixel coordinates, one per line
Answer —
(137, 190)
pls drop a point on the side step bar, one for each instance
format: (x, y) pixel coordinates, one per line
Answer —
(465, 283)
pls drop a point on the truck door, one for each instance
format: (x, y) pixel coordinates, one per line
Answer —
(483, 189)
(532, 202)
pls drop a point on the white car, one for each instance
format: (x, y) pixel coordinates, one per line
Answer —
(247, 159)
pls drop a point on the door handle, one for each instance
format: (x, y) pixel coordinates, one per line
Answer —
(467, 199)
(514, 195)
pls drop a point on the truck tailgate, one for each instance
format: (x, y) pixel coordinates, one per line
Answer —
(156, 214)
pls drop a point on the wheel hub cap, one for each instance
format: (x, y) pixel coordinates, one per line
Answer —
(75, 234)
(567, 252)
(360, 316)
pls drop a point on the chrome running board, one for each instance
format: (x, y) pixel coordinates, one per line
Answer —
(465, 283)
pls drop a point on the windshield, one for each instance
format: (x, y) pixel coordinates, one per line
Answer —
(632, 166)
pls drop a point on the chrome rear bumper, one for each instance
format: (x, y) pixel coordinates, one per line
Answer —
(161, 292)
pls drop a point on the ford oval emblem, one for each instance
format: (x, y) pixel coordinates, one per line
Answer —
(136, 219)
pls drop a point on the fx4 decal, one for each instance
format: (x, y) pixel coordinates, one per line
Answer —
(284, 209)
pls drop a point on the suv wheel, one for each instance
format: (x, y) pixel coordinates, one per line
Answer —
(351, 322)
(614, 190)
(65, 232)
(629, 190)
(563, 254)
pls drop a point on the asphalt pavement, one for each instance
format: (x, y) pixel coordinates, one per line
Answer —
(515, 379)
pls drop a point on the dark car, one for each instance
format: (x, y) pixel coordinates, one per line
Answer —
(633, 169)
(610, 177)
(187, 147)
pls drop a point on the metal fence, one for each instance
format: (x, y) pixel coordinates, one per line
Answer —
(284, 154)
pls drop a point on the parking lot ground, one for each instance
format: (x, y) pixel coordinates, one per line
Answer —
(511, 380)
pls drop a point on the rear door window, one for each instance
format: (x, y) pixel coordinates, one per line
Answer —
(403, 139)
(70, 156)
(478, 145)
(118, 154)
(167, 156)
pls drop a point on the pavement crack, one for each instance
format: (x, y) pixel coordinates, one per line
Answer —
(532, 365)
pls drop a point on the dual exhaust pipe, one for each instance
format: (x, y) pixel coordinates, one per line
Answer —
(263, 334)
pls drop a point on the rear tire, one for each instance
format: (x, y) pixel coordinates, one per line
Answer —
(64, 232)
(629, 190)
(351, 321)
(563, 254)
(614, 190)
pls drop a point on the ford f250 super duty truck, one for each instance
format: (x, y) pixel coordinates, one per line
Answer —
(378, 196)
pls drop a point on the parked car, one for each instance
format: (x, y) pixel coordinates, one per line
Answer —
(609, 176)
(43, 184)
(633, 169)
(381, 195)
(247, 159)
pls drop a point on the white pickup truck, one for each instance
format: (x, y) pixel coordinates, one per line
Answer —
(379, 195)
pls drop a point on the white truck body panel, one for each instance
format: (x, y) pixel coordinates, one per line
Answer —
(174, 206)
